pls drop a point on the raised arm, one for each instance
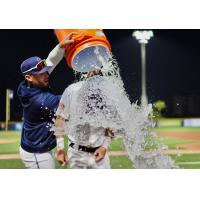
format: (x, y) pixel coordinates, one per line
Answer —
(57, 54)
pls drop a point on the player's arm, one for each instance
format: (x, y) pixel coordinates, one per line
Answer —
(60, 121)
(61, 154)
(57, 54)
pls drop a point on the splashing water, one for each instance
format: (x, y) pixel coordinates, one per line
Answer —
(103, 102)
(143, 147)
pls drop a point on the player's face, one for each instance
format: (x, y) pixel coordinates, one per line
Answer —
(92, 73)
(39, 80)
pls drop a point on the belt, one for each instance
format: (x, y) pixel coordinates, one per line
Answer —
(84, 148)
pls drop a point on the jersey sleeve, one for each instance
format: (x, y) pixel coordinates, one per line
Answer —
(54, 57)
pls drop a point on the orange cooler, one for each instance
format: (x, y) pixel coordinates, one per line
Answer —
(89, 51)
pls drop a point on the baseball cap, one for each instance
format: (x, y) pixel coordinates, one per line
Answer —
(34, 65)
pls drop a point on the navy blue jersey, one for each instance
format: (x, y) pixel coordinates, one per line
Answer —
(39, 107)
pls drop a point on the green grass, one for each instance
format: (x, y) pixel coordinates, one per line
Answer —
(10, 137)
(8, 148)
(120, 162)
(163, 122)
(186, 158)
(189, 166)
(174, 129)
(11, 164)
(13, 133)
(117, 145)
(173, 142)
(117, 162)
(17, 164)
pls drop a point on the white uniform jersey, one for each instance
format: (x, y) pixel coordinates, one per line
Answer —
(80, 134)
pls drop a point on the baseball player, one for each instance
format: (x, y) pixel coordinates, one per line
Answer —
(87, 144)
(39, 104)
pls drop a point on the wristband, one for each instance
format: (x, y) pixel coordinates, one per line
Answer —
(60, 143)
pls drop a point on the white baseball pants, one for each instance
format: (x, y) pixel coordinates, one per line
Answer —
(37, 160)
(83, 160)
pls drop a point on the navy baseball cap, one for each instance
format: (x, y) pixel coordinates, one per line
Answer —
(34, 65)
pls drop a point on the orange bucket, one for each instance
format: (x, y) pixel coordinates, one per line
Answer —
(88, 50)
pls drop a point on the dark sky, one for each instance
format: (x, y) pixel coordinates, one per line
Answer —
(173, 64)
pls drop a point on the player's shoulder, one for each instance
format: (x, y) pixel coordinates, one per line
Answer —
(73, 87)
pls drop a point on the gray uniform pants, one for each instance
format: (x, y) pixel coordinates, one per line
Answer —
(37, 160)
(84, 160)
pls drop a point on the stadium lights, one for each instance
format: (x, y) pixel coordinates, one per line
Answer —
(143, 37)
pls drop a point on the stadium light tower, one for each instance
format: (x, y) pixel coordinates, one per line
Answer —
(143, 37)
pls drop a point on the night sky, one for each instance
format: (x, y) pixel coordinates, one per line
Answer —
(173, 66)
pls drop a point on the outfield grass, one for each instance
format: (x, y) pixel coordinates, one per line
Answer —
(173, 142)
(182, 166)
(11, 148)
(11, 164)
(10, 132)
(120, 162)
(186, 158)
(117, 145)
(117, 162)
(174, 129)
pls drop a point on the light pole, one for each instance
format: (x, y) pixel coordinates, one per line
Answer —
(9, 96)
(143, 37)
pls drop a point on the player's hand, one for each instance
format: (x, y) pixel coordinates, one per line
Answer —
(62, 157)
(67, 40)
(100, 153)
